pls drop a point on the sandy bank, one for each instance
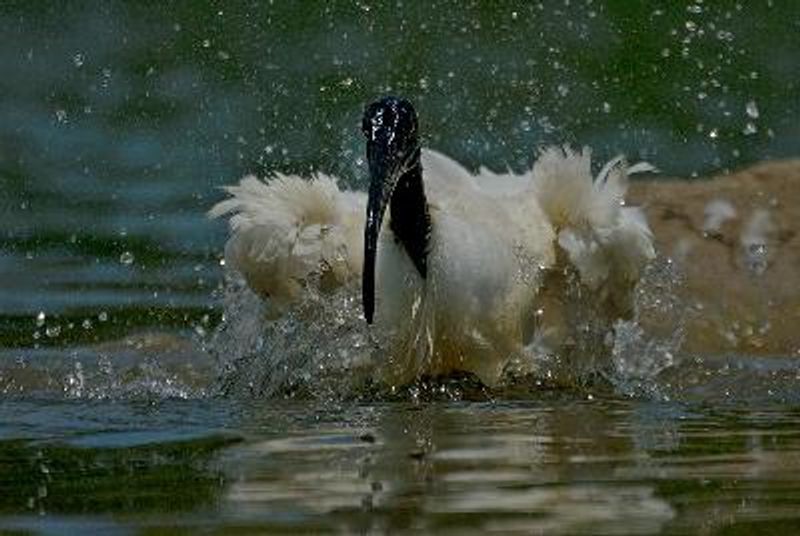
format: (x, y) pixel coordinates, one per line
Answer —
(736, 239)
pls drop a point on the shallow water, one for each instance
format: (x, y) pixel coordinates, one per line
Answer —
(556, 465)
(119, 122)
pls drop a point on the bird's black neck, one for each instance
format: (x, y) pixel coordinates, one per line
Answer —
(410, 220)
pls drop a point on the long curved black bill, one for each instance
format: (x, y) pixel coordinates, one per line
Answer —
(380, 191)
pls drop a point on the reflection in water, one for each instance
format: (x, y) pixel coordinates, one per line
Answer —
(558, 467)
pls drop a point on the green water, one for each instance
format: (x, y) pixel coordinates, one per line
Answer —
(556, 465)
(120, 121)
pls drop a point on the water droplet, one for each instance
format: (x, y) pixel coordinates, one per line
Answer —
(106, 77)
(40, 318)
(61, 116)
(713, 133)
(724, 35)
(103, 316)
(206, 43)
(749, 129)
(563, 90)
(53, 331)
(78, 59)
(606, 107)
(87, 324)
(126, 258)
(691, 26)
(752, 109)
(665, 53)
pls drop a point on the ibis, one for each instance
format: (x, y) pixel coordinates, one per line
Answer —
(457, 271)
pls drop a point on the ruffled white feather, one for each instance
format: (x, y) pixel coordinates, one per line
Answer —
(607, 243)
(494, 239)
(288, 232)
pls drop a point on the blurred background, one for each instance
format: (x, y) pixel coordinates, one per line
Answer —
(120, 121)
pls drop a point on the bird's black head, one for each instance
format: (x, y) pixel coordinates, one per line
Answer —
(390, 127)
(391, 123)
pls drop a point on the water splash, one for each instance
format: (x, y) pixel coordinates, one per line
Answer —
(754, 242)
(716, 213)
(648, 344)
(151, 366)
(322, 348)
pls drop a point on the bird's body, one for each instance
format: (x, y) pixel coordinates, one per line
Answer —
(487, 247)
(460, 282)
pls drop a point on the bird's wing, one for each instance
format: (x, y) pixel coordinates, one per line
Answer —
(608, 244)
(288, 232)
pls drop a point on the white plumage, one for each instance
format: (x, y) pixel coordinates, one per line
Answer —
(499, 248)
(289, 229)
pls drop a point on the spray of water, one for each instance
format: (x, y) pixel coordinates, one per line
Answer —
(649, 343)
(322, 347)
